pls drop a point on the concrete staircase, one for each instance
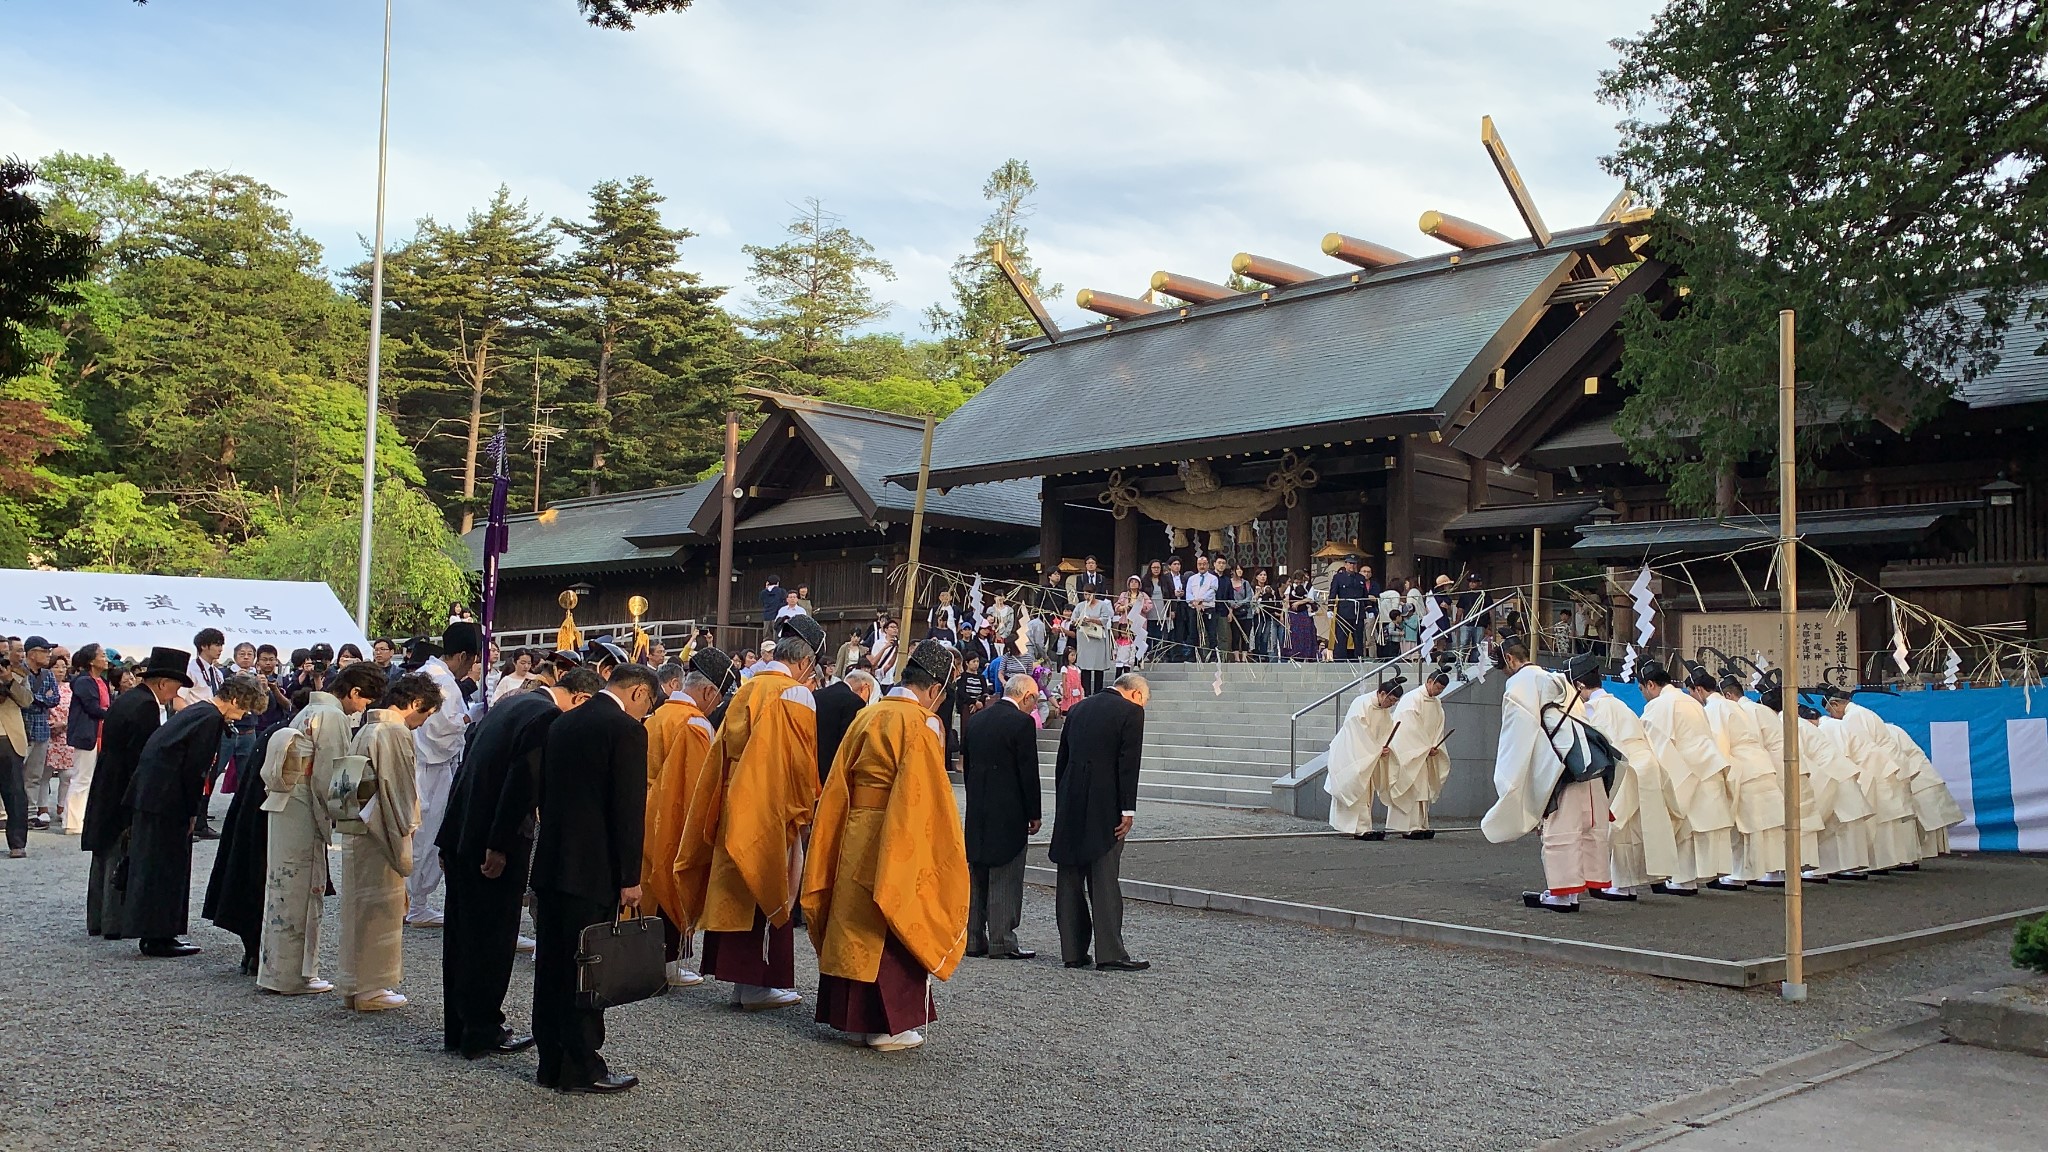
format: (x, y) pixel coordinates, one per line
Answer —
(1209, 748)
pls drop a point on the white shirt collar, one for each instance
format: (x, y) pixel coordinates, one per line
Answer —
(899, 690)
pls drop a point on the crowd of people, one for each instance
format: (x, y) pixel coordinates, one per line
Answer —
(733, 804)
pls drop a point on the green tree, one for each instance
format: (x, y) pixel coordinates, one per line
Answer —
(658, 353)
(1882, 169)
(40, 263)
(986, 312)
(118, 529)
(812, 291)
(417, 566)
(621, 13)
(460, 305)
(230, 311)
(909, 395)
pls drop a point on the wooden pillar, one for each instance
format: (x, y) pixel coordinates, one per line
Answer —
(1298, 529)
(1400, 514)
(1475, 483)
(1049, 542)
(1125, 555)
(1546, 485)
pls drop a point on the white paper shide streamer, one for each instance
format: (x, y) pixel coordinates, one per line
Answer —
(1950, 668)
(1646, 620)
(1901, 653)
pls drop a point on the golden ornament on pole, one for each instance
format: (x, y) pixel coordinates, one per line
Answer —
(637, 606)
(568, 639)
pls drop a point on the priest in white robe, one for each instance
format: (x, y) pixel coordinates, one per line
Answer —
(376, 847)
(1934, 806)
(1758, 797)
(1696, 773)
(1894, 831)
(1642, 845)
(1771, 728)
(1418, 766)
(1361, 760)
(1535, 790)
(1843, 845)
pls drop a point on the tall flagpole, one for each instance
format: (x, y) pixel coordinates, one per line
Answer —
(376, 342)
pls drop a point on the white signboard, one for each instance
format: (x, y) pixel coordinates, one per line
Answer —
(133, 613)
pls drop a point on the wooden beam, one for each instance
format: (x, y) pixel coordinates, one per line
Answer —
(1190, 289)
(1504, 164)
(1267, 270)
(1001, 257)
(1362, 253)
(1124, 552)
(1459, 232)
(1114, 306)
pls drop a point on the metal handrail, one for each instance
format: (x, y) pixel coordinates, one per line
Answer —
(1294, 721)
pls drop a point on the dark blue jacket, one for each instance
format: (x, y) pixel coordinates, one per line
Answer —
(82, 730)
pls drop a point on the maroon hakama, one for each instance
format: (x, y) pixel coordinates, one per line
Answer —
(897, 1000)
(764, 956)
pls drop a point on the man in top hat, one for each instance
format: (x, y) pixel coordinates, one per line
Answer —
(678, 741)
(1349, 589)
(163, 799)
(1641, 844)
(1894, 831)
(739, 862)
(885, 886)
(131, 719)
(1696, 777)
(437, 746)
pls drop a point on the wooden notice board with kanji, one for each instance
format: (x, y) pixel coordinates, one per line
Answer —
(1826, 643)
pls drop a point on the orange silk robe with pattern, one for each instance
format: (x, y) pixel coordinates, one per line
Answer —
(888, 857)
(753, 798)
(678, 739)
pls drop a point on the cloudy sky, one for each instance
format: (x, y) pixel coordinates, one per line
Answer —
(1162, 136)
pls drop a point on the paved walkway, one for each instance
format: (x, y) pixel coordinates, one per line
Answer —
(1943, 1096)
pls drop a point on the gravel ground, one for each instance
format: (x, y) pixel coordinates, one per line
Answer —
(1246, 1033)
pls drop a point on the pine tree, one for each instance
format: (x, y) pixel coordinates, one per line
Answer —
(811, 291)
(464, 307)
(986, 312)
(656, 349)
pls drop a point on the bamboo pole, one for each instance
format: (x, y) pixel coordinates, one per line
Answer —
(1794, 986)
(725, 518)
(924, 476)
(1535, 617)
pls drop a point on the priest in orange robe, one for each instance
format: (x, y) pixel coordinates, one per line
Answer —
(886, 886)
(740, 859)
(678, 740)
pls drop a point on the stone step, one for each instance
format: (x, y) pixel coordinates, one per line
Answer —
(1250, 738)
(1221, 797)
(1196, 778)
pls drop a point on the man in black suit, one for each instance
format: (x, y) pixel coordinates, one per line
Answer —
(1091, 579)
(586, 865)
(486, 846)
(163, 802)
(131, 719)
(1095, 783)
(999, 762)
(838, 703)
